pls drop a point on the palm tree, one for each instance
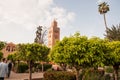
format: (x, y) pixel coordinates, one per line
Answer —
(113, 34)
(103, 9)
(40, 35)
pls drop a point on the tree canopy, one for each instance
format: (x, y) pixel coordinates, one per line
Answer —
(103, 8)
(79, 51)
(34, 52)
(2, 45)
(31, 53)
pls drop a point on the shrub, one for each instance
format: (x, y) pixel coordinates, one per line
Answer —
(109, 69)
(59, 75)
(107, 77)
(21, 67)
(93, 75)
(39, 66)
(47, 66)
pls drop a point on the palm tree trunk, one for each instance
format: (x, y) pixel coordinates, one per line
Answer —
(105, 21)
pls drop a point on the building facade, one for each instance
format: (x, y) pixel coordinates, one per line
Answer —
(53, 34)
(9, 49)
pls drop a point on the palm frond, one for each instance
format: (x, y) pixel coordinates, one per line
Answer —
(113, 33)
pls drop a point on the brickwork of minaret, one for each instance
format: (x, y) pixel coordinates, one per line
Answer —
(53, 34)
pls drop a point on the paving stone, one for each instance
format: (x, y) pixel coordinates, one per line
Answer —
(24, 76)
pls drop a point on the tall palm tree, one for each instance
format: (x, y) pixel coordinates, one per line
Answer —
(103, 9)
(40, 35)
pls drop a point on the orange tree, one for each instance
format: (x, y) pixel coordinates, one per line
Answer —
(79, 52)
(113, 57)
(13, 57)
(2, 45)
(31, 53)
(97, 48)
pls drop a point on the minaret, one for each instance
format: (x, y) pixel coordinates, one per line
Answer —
(53, 34)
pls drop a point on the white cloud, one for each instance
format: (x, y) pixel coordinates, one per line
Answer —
(19, 18)
(62, 16)
(71, 16)
(100, 1)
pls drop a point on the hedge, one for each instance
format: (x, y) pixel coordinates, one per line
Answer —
(59, 75)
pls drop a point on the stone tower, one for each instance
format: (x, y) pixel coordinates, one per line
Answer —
(53, 34)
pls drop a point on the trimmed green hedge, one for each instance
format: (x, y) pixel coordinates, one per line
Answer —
(59, 75)
(21, 67)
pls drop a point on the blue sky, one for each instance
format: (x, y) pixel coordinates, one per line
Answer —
(88, 21)
(20, 18)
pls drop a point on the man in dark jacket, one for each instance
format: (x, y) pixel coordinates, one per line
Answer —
(9, 68)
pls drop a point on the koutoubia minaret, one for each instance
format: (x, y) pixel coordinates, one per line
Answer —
(53, 34)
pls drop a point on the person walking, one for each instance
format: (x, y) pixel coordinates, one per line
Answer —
(3, 69)
(9, 68)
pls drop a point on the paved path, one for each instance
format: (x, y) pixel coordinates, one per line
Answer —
(23, 76)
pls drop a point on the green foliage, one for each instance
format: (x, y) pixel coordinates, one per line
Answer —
(93, 75)
(97, 49)
(114, 53)
(39, 66)
(109, 69)
(113, 33)
(1, 55)
(59, 75)
(32, 52)
(13, 57)
(70, 50)
(10, 57)
(21, 67)
(80, 51)
(47, 66)
(2, 45)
